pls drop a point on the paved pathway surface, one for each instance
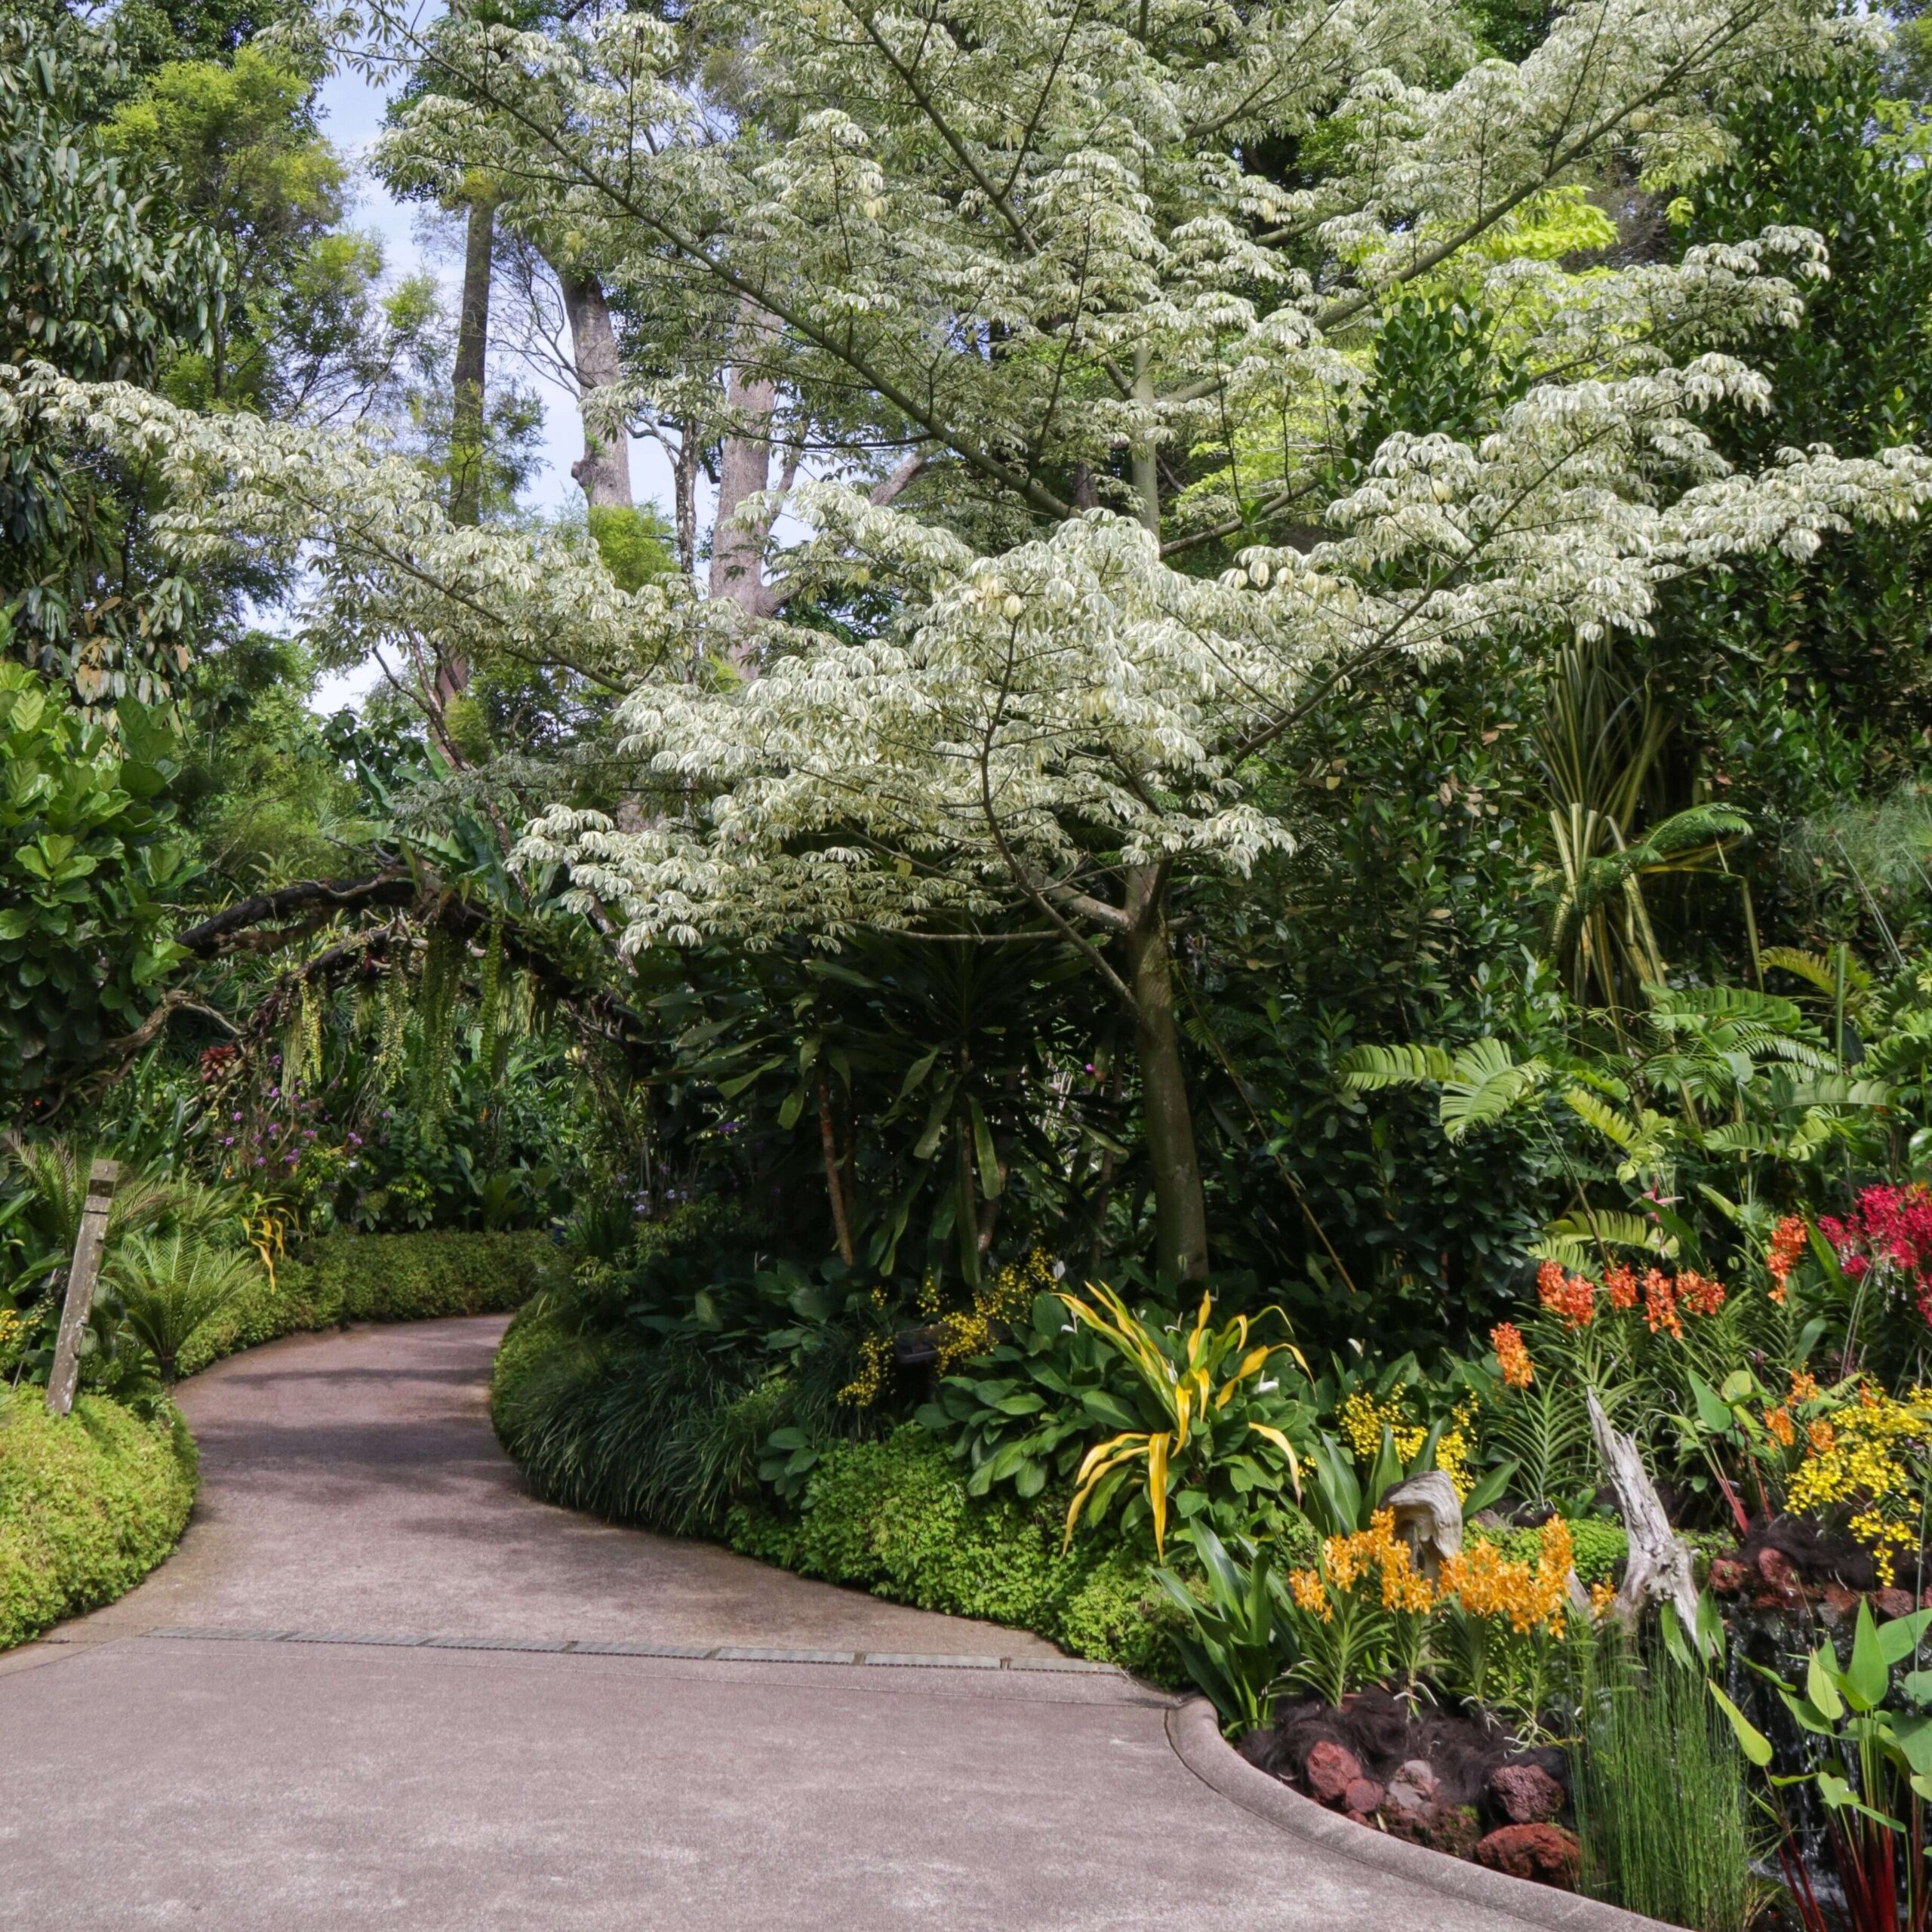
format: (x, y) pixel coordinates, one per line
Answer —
(352, 1774)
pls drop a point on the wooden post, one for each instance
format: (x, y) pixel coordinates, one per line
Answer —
(88, 1246)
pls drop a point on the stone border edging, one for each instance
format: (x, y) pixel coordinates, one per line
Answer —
(608, 1647)
(1195, 1732)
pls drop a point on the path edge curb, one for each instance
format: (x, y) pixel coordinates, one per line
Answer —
(1195, 1732)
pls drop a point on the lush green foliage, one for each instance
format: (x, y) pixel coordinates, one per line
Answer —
(95, 281)
(1871, 1766)
(1205, 1429)
(1235, 1643)
(1026, 1408)
(88, 869)
(89, 1503)
(171, 1286)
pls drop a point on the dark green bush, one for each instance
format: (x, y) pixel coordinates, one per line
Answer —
(378, 1278)
(89, 1503)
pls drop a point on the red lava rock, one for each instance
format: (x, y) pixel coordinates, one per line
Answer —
(1775, 1569)
(1329, 1770)
(1839, 1603)
(1892, 1602)
(1525, 1794)
(1362, 1799)
(1547, 1853)
(1728, 1576)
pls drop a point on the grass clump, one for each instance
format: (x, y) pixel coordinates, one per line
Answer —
(1658, 1787)
(90, 1503)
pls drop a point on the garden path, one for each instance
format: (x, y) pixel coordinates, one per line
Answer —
(294, 1756)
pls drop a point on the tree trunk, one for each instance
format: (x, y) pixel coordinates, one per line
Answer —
(684, 489)
(841, 1224)
(1180, 1206)
(472, 348)
(1659, 1569)
(473, 353)
(744, 469)
(604, 470)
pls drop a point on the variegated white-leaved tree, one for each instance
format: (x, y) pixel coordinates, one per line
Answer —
(1067, 305)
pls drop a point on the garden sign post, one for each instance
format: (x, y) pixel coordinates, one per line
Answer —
(80, 1278)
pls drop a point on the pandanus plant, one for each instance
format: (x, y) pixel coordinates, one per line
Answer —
(1198, 1394)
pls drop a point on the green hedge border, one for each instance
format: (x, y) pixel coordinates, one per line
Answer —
(893, 1517)
(90, 1502)
(340, 1278)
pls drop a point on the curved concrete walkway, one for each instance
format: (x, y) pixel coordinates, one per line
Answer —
(293, 1756)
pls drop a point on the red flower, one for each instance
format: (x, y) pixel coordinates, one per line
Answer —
(1788, 1245)
(1571, 1296)
(1660, 1305)
(1700, 1293)
(1890, 1230)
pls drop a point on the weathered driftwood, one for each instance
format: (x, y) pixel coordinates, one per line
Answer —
(1428, 1517)
(81, 1276)
(1660, 1567)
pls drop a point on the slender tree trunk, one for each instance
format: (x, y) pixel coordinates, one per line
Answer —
(472, 348)
(472, 352)
(744, 469)
(684, 488)
(1180, 1205)
(1145, 462)
(842, 1226)
(604, 470)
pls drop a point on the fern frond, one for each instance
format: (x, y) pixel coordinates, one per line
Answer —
(1820, 969)
(1841, 1090)
(1605, 1118)
(1366, 1070)
(1604, 1228)
(1485, 1083)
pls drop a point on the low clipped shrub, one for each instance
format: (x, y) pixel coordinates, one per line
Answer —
(90, 1503)
(377, 1278)
(893, 1517)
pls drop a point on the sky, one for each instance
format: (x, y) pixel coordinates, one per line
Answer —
(353, 107)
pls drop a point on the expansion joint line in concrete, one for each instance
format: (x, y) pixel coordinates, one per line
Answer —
(602, 1648)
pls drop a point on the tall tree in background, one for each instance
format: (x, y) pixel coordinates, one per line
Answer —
(1018, 241)
(100, 279)
(470, 372)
